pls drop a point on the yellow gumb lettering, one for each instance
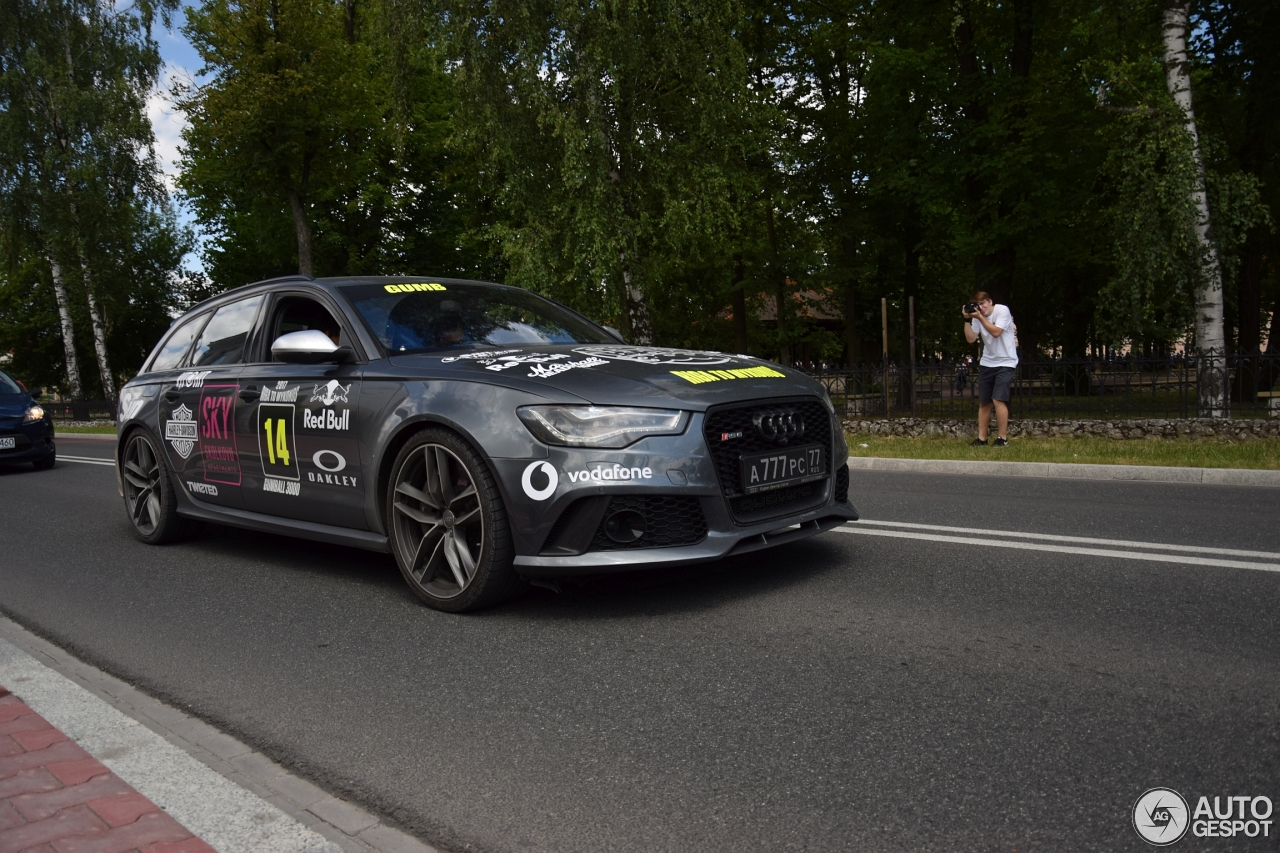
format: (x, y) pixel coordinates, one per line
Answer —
(698, 377)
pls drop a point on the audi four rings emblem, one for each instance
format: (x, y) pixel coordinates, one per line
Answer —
(779, 426)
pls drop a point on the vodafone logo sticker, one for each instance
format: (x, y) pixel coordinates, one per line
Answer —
(540, 471)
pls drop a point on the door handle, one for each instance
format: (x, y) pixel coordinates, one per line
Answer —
(250, 394)
(172, 395)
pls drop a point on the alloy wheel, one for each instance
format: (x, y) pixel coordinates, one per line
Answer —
(142, 475)
(438, 523)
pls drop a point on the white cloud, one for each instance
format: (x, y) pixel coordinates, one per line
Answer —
(167, 122)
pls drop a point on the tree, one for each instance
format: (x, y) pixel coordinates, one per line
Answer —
(78, 172)
(317, 143)
(608, 136)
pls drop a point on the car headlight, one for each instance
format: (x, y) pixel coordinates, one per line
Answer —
(35, 413)
(600, 426)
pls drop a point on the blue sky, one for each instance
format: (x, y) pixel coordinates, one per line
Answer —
(180, 62)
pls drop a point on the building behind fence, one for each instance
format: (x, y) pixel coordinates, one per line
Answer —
(1123, 387)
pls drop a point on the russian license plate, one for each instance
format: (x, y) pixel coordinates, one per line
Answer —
(8, 442)
(777, 469)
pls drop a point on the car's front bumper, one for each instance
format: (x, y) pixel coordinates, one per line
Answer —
(683, 491)
(34, 441)
(717, 544)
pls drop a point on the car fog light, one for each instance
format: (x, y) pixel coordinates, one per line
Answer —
(624, 526)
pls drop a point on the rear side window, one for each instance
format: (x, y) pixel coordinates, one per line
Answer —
(176, 346)
(223, 340)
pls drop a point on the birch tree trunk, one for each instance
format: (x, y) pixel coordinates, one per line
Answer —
(99, 334)
(1211, 375)
(302, 229)
(637, 311)
(68, 331)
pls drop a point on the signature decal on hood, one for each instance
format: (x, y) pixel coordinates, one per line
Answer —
(545, 371)
(654, 355)
(485, 356)
(698, 377)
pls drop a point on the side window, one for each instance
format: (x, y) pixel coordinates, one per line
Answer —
(223, 340)
(298, 314)
(175, 347)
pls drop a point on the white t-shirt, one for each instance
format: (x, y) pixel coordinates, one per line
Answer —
(998, 351)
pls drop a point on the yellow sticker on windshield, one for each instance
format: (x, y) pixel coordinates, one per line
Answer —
(412, 286)
(697, 377)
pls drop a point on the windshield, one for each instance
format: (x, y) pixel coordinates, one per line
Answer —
(7, 385)
(421, 316)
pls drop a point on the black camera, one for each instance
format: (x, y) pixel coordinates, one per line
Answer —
(971, 308)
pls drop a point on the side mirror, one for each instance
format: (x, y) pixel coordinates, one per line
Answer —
(310, 346)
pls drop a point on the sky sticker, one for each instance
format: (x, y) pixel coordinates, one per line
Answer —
(697, 377)
(412, 286)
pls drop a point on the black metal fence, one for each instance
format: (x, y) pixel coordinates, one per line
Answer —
(1122, 387)
(79, 410)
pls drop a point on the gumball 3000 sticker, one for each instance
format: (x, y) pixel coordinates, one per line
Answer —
(654, 355)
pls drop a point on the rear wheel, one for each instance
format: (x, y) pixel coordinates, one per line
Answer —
(148, 493)
(448, 525)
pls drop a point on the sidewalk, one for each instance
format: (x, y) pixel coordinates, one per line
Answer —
(88, 763)
(54, 796)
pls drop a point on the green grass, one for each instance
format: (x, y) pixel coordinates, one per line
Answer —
(82, 430)
(1185, 453)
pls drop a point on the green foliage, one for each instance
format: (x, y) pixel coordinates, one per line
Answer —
(79, 183)
(610, 139)
(307, 115)
(808, 159)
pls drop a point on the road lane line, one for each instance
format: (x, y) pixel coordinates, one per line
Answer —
(1119, 543)
(62, 457)
(1064, 549)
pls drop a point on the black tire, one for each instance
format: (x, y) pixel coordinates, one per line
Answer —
(149, 498)
(448, 526)
(46, 463)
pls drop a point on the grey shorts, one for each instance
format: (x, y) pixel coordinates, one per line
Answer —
(994, 384)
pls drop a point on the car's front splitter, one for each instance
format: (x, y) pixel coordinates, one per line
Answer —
(717, 544)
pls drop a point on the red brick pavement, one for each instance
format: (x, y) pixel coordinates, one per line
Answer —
(56, 798)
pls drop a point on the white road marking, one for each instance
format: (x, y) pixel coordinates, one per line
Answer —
(87, 459)
(1118, 543)
(1064, 549)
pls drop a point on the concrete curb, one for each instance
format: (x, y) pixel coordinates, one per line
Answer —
(92, 436)
(213, 784)
(1066, 471)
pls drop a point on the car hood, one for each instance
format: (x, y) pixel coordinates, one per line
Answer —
(14, 405)
(615, 374)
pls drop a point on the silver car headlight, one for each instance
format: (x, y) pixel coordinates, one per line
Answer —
(600, 426)
(33, 414)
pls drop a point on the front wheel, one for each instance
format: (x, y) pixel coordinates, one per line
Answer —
(448, 525)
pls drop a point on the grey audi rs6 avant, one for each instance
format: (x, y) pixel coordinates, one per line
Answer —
(483, 435)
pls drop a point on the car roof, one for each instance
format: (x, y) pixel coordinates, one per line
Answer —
(330, 282)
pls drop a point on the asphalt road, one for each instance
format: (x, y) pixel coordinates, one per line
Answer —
(847, 692)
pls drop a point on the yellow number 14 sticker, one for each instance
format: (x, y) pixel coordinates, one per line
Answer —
(276, 442)
(280, 446)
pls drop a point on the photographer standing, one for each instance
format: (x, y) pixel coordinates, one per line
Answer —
(994, 323)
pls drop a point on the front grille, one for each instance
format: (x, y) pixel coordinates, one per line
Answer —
(727, 455)
(669, 521)
(842, 484)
